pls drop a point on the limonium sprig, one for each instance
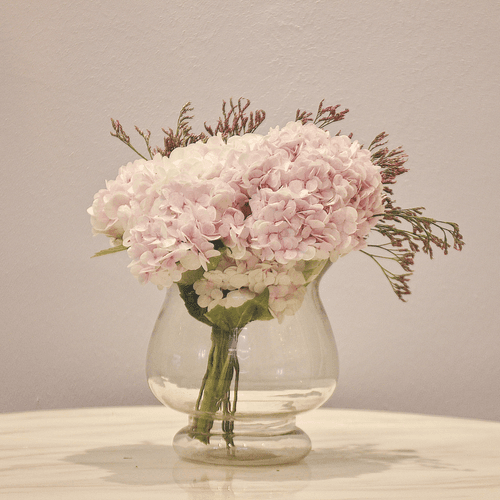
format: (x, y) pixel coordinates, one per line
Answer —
(406, 231)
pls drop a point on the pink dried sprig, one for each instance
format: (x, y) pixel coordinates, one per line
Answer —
(408, 231)
(324, 116)
(146, 135)
(401, 256)
(183, 134)
(120, 134)
(303, 116)
(422, 230)
(235, 121)
(181, 137)
(406, 243)
(328, 115)
(391, 162)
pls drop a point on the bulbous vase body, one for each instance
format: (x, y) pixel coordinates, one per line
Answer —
(283, 369)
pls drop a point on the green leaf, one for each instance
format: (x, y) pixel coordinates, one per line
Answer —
(189, 277)
(313, 267)
(190, 298)
(119, 248)
(234, 318)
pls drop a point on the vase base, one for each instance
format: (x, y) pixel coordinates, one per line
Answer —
(243, 449)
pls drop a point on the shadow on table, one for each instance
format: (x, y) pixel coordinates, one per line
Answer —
(150, 464)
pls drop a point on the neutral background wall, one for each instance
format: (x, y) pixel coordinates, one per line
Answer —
(74, 331)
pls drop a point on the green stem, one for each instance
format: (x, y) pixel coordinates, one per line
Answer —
(215, 392)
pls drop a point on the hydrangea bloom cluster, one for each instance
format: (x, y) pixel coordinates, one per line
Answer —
(232, 283)
(249, 213)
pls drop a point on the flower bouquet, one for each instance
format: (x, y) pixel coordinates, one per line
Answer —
(243, 223)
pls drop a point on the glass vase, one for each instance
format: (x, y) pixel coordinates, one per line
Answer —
(243, 388)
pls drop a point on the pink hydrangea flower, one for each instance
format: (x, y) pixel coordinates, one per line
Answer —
(274, 202)
(111, 210)
(314, 197)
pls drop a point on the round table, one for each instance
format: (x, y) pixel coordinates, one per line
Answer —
(125, 453)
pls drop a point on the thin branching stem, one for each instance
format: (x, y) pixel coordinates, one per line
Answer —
(407, 231)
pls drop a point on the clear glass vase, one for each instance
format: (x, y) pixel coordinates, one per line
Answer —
(243, 389)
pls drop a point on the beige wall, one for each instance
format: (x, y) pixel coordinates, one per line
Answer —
(74, 331)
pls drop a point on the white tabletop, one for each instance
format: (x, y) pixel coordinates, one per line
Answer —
(125, 453)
